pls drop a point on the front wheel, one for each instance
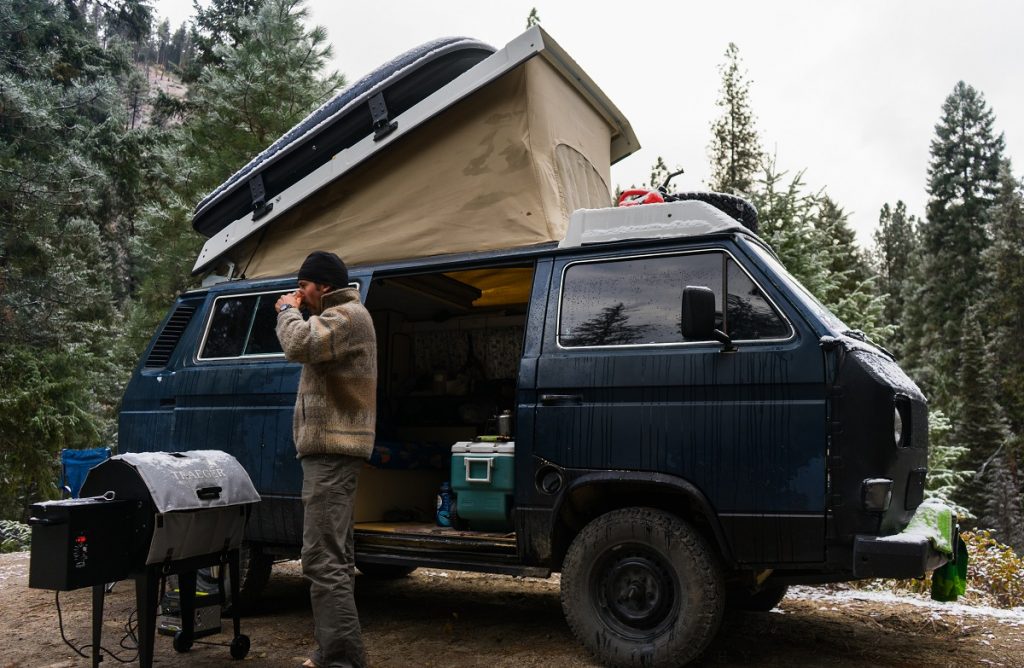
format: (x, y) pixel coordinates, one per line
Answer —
(641, 587)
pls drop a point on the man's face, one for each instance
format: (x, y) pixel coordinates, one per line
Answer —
(311, 294)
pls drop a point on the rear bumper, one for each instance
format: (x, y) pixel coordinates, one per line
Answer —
(902, 556)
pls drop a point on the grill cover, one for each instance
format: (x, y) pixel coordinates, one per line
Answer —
(200, 499)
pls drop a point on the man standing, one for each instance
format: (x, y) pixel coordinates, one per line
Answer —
(333, 428)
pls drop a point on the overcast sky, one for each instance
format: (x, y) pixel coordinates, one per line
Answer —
(849, 91)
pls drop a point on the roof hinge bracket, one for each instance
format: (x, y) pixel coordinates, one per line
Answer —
(260, 207)
(382, 127)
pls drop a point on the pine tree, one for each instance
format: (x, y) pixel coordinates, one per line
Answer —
(533, 19)
(1003, 304)
(852, 293)
(978, 423)
(130, 20)
(944, 475)
(218, 24)
(962, 184)
(846, 261)
(786, 221)
(262, 88)
(181, 43)
(610, 327)
(893, 256)
(278, 75)
(660, 173)
(735, 149)
(814, 240)
(65, 194)
(163, 42)
(1003, 512)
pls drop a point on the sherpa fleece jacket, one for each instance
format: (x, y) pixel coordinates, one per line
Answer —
(336, 407)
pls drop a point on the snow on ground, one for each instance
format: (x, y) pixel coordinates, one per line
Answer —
(14, 565)
(1010, 617)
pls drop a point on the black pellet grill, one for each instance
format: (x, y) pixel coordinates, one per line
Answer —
(146, 516)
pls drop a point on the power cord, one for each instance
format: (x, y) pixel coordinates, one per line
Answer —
(130, 628)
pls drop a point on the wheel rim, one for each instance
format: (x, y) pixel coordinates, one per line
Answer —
(637, 590)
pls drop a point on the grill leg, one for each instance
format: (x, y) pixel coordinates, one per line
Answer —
(97, 623)
(146, 599)
(234, 568)
(187, 596)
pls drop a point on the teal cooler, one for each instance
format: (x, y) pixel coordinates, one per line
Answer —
(482, 479)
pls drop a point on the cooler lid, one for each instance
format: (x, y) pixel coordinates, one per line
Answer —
(484, 447)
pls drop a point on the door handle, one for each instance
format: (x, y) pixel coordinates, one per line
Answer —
(561, 399)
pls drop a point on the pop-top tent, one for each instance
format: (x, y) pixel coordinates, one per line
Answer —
(452, 147)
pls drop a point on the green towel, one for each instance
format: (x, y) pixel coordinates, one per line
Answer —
(950, 580)
(933, 520)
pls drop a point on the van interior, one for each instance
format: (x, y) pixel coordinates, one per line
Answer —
(449, 346)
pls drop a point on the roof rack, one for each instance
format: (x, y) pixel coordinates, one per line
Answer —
(687, 218)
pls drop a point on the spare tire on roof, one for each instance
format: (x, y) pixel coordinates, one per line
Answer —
(737, 207)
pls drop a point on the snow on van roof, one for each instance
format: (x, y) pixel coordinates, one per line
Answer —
(687, 218)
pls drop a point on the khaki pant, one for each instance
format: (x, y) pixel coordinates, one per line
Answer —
(328, 557)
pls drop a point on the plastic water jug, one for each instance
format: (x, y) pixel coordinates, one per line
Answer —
(444, 505)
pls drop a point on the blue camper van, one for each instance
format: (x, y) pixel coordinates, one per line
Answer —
(650, 405)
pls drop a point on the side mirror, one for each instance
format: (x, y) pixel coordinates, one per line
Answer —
(698, 322)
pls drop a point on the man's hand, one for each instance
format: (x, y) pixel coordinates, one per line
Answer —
(293, 298)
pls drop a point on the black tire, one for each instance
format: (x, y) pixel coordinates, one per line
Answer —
(180, 643)
(239, 647)
(254, 572)
(641, 587)
(763, 600)
(731, 205)
(384, 571)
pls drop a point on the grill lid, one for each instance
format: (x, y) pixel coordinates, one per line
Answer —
(188, 480)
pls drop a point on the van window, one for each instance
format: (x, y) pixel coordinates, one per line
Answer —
(637, 301)
(242, 325)
(750, 315)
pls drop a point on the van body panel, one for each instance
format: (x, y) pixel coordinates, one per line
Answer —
(764, 435)
(526, 493)
(146, 417)
(746, 428)
(868, 383)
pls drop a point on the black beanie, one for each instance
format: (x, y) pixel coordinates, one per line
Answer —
(325, 268)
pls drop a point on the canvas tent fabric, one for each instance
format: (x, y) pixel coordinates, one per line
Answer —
(338, 123)
(504, 167)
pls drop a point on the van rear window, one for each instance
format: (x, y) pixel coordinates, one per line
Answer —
(637, 301)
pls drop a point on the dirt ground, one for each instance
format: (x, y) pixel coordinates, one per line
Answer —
(453, 619)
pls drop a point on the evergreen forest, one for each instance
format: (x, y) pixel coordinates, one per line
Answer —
(102, 160)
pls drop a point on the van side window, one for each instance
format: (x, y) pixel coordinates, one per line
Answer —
(263, 338)
(229, 326)
(634, 301)
(750, 315)
(637, 301)
(241, 326)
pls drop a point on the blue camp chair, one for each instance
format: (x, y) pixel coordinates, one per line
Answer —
(75, 464)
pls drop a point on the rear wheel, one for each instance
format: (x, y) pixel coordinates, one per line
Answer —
(641, 587)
